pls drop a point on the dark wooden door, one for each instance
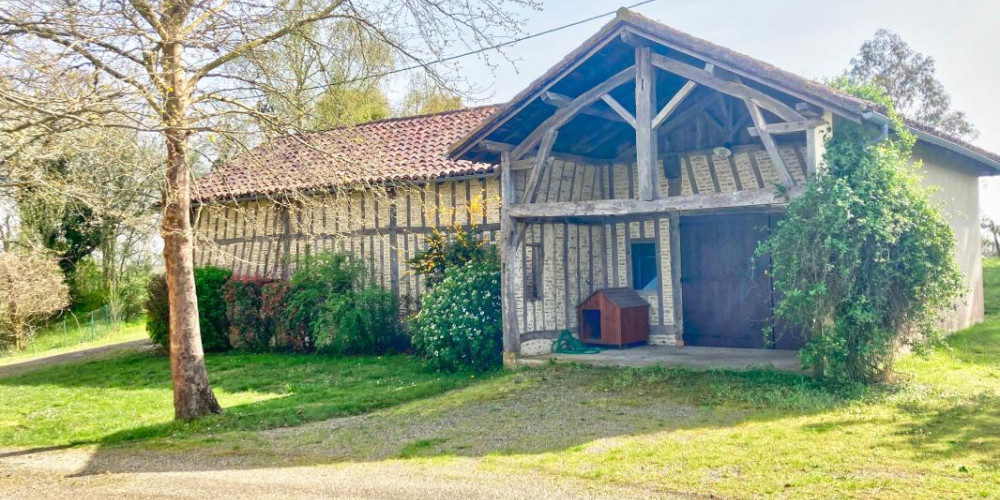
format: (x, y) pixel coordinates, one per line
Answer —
(726, 295)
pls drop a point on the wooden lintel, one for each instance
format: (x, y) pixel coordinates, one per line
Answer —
(674, 102)
(735, 89)
(566, 113)
(788, 127)
(769, 145)
(559, 100)
(618, 108)
(629, 207)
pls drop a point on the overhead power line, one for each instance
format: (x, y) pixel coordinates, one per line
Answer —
(479, 50)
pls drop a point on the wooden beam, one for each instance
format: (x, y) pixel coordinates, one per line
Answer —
(559, 101)
(531, 188)
(511, 336)
(772, 149)
(495, 146)
(808, 110)
(645, 139)
(566, 113)
(630, 207)
(735, 89)
(816, 138)
(788, 127)
(674, 102)
(618, 108)
(692, 110)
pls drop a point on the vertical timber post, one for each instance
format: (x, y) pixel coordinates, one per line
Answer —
(816, 138)
(645, 110)
(508, 238)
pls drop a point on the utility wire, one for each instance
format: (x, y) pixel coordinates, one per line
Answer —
(477, 51)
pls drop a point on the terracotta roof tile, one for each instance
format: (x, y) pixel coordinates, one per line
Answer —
(412, 148)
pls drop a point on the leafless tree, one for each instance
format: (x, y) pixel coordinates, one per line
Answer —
(173, 68)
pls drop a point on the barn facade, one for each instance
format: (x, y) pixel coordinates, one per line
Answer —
(646, 159)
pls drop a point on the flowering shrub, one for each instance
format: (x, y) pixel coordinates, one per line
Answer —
(459, 325)
(447, 250)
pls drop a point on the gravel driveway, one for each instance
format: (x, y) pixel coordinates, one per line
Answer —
(54, 474)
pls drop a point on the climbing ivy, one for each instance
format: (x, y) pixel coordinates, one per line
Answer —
(863, 260)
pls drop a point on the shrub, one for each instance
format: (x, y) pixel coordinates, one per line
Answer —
(158, 311)
(447, 250)
(863, 260)
(208, 282)
(328, 308)
(365, 321)
(250, 329)
(459, 324)
(31, 290)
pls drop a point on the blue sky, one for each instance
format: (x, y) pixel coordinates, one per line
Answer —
(814, 39)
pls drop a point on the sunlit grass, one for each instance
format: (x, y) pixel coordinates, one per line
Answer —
(57, 340)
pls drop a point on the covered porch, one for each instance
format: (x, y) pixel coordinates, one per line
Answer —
(650, 161)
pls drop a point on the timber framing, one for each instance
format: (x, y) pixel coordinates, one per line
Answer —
(629, 207)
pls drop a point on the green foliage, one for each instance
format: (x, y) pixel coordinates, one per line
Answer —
(459, 325)
(329, 308)
(250, 327)
(364, 321)
(86, 287)
(209, 283)
(909, 79)
(158, 311)
(864, 261)
(447, 250)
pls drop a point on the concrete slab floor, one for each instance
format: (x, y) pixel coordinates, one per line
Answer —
(696, 357)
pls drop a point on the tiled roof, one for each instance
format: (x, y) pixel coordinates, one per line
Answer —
(412, 148)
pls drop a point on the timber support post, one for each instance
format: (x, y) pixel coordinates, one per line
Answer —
(645, 109)
(508, 242)
(816, 138)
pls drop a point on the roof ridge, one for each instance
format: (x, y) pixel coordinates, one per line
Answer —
(393, 119)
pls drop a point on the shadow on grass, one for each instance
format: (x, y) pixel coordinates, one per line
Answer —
(966, 427)
(314, 410)
(533, 411)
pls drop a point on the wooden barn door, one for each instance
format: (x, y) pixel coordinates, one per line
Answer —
(727, 298)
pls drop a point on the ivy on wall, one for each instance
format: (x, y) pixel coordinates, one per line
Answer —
(864, 261)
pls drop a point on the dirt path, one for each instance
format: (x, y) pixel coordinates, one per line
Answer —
(54, 473)
(71, 357)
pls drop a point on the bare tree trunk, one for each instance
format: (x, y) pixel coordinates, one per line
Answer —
(193, 396)
(996, 241)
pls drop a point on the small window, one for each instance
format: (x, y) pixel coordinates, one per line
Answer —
(533, 271)
(644, 275)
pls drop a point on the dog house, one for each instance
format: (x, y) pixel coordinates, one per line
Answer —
(614, 317)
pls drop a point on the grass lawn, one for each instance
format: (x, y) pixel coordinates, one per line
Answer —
(935, 434)
(55, 340)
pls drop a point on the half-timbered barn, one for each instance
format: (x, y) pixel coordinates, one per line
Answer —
(646, 159)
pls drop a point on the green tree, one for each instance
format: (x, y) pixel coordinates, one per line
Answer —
(172, 68)
(426, 96)
(908, 78)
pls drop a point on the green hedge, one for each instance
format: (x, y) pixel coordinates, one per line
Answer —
(209, 282)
